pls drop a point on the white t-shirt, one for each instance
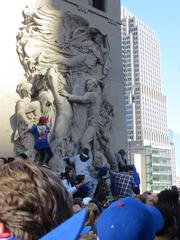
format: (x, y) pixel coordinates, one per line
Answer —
(69, 187)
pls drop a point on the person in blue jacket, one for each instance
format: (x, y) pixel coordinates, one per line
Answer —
(136, 178)
(40, 132)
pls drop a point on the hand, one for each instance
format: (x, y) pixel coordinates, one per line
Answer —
(64, 93)
(79, 185)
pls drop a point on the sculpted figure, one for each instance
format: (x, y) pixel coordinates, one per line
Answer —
(63, 108)
(101, 50)
(46, 100)
(27, 112)
(100, 159)
(59, 65)
(79, 47)
(92, 100)
(79, 124)
(94, 45)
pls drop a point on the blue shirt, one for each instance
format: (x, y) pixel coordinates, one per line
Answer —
(40, 133)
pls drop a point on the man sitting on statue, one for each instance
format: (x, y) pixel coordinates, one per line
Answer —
(83, 166)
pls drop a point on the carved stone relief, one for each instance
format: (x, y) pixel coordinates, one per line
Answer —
(66, 64)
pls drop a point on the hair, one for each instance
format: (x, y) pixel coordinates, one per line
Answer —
(32, 200)
(89, 236)
(122, 152)
(10, 159)
(80, 178)
(147, 193)
(101, 197)
(93, 213)
(78, 201)
(168, 198)
(66, 173)
(98, 204)
(127, 168)
(22, 156)
(85, 151)
(141, 197)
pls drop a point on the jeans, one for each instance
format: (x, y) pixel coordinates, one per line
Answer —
(45, 155)
(92, 187)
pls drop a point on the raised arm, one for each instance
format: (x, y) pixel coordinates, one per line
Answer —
(21, 112)
(88, 97)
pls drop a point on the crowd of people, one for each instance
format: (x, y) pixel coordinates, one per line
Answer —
(81, 202)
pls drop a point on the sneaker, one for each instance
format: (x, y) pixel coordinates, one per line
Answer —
(45, 165)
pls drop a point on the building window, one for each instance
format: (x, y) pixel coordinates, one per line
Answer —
(99, 4)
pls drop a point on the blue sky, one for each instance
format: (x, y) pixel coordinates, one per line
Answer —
(164, 18)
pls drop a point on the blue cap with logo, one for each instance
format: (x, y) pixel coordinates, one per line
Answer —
(129, 219)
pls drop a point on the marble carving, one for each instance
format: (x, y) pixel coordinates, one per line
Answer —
(66, 63)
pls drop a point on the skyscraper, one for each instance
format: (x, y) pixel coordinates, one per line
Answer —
(173, 156)
(146, 114)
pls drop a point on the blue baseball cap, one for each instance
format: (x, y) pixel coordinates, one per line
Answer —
(129, 219)
(70, 230)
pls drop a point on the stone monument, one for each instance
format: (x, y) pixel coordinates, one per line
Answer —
(71, 58)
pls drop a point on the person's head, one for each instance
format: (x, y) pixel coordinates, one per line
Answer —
(131, 170)
(98, 38)
(85, 151)
(10, 159)
(21, 156)
(77, 204)
(2, 161)
(76, 208)
(93, 213)
(78, 201)
(24, 89)
(46, 99)
(151, 199)
(168, 198)
(104, 171)
(32, 201)
(122, 152)
(127, 168)
(129, 219)
(146, 195)
(91, 84)
(141, 197)
(80, 178)
(43, 121)
(68, 173)
(174, 188)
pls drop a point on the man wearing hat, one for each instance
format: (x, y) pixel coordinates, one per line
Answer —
(40, 132)
(125, 219)
(129, 219)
